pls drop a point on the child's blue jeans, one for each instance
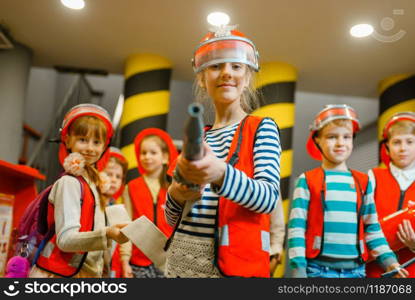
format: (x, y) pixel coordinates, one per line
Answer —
(314, 270)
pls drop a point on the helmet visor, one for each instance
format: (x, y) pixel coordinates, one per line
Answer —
(336, 112)
(226, 50)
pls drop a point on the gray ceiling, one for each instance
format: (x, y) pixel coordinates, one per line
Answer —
(311, 35)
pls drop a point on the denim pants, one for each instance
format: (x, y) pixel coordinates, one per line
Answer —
(314, 270)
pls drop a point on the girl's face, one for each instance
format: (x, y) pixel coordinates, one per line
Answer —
(336, 142)
(152, 157)
(225, 82)
(115, 174)
(88, 146)
(402, 150)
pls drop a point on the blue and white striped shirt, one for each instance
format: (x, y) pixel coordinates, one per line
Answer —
(340, 222)
(258, 194)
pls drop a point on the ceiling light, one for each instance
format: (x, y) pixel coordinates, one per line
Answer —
(218, 19)
(361, 30)
(74, 4)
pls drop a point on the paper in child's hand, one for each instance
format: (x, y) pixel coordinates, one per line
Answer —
(149, 239)
(117, 214)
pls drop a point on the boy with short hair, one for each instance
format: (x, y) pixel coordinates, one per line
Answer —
(333, 223)
(394, 185)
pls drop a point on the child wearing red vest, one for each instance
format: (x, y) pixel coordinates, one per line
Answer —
(146, 195)
(77, 201)
(333, 223)
(117, 262)
(223, 228)
(394, 185)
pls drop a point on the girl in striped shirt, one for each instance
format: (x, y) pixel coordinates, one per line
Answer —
(223, 229)
(333, 222)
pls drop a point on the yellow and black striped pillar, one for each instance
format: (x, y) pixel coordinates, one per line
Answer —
(397, 94)
(276, 82)
(147, 101)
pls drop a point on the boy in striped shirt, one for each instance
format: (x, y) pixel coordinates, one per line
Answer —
(333, 222)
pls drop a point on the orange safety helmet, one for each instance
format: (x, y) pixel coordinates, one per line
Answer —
(161, 134)
(115, 152)
(330, 113)
(401, 116)
(80, 110)
(225, 44)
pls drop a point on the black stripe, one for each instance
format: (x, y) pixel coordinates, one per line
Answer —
(201, 234)
(130, 131)
(397, 93)
(285, 187)
(277, 93)
(198, 224)
(132, 174)
(286, 138)
(149, 81)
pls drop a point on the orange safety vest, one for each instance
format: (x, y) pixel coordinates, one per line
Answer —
(116, 265)
(389, 198)
(68, 264)
(142, 203)
(242, 236)
(314, 234)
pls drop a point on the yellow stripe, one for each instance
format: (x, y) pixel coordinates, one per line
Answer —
(129, 153)
(138, 63)
(408, 105)
(286, 163)
(282, 113)
(392, 80)
(145, 105)
(273, 72)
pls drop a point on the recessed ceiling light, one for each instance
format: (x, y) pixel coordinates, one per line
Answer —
(74, 4)
(218, 19)
(361, 30)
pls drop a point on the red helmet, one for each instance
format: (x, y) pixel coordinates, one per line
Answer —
(330, 113)
(401, 116)
(161, 134)
(225, 44)
(80, 110)
(115, 152)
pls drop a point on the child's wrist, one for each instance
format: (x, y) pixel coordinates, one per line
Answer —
(221, 177)
(107, 232)
(172, 194)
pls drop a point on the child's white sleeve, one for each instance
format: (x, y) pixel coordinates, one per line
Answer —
(277, 230)
(66, 198)
(372, 179)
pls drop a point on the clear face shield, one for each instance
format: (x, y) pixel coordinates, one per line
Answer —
(232, 49)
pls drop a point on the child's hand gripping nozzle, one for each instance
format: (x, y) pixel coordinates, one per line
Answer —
(193, 141)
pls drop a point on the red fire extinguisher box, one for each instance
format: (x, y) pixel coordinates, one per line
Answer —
(17, 190)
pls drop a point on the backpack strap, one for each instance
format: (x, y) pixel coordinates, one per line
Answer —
(43, 227)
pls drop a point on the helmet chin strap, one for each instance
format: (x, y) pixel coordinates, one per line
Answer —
(321, 151)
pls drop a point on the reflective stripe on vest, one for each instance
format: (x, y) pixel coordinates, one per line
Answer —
(142, 204)
(242, 236)
(314, 235)
(68, 264)
(388, 194)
